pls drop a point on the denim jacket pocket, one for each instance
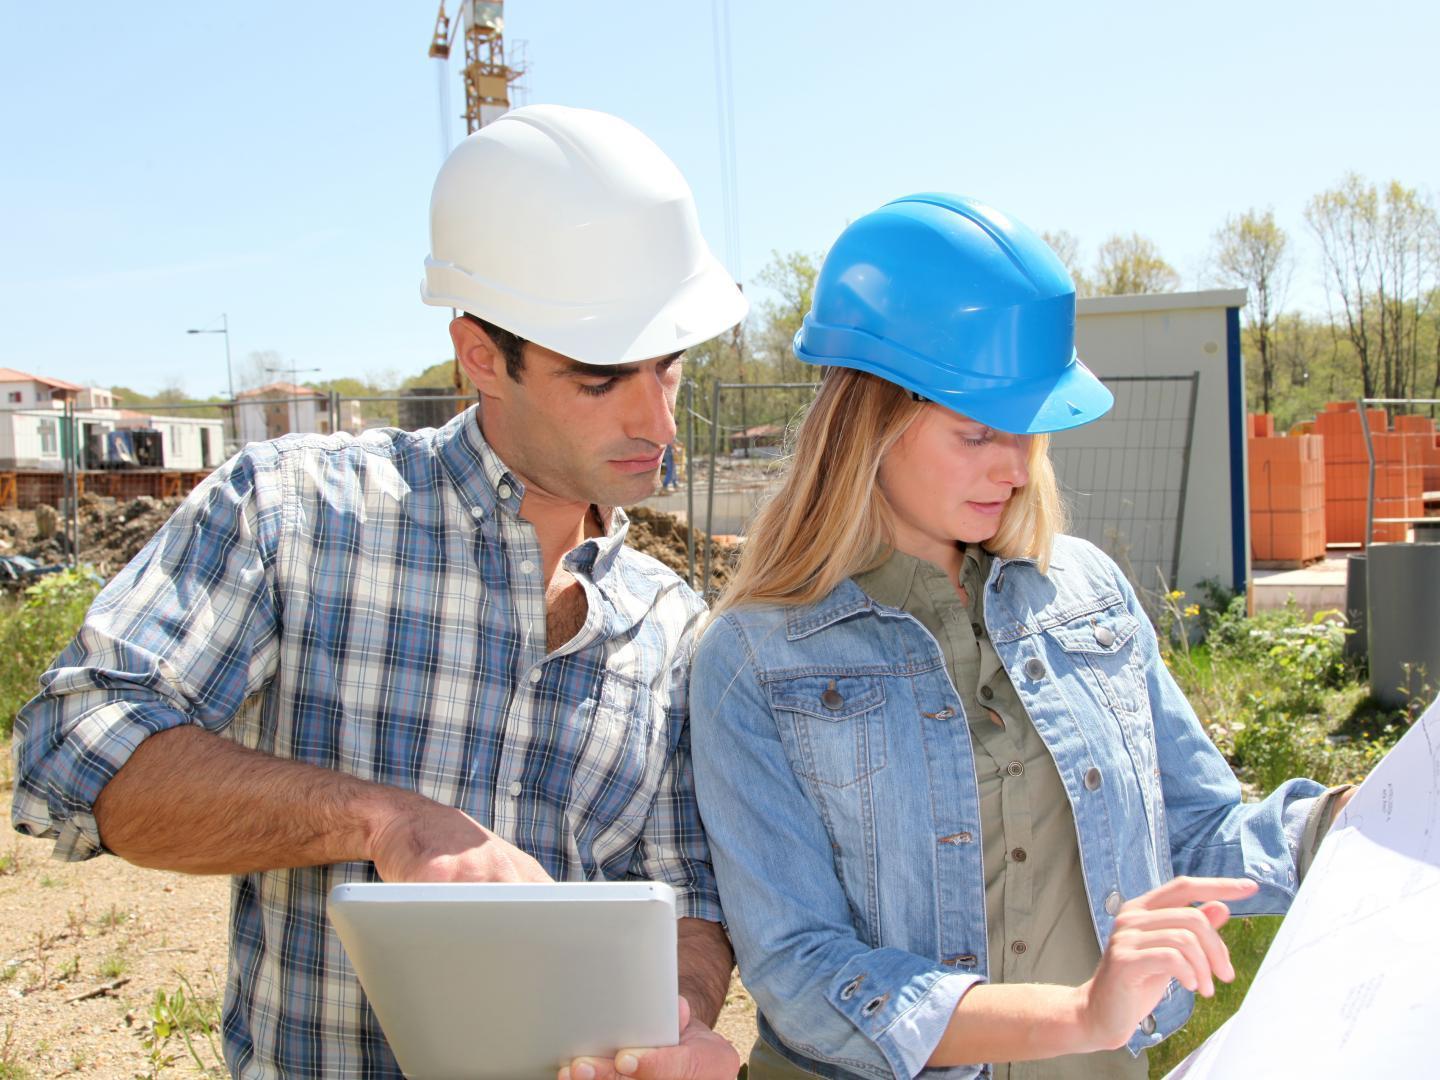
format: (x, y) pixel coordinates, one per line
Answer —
(1100, 644)
(837, 723)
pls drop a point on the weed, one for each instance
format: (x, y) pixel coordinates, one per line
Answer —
(10, 1068)
(114, 965)
(8, 973)
(10, 864)
(48, 882)
(182, 1014)
(112, 919)
(69, 971)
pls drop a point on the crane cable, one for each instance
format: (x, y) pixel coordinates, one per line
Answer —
(725, 109)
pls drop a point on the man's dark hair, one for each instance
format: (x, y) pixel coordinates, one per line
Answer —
(511, 346)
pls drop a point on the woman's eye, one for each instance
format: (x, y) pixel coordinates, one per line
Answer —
(984, 437)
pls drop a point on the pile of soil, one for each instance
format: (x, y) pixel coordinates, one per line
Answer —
(665, 537)
(112, 532)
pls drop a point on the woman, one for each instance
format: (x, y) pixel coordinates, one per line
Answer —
(946, 777)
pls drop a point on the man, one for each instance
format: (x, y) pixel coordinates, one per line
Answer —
(427, 656)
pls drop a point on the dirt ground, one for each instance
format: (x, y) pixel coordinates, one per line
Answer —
(78, 928)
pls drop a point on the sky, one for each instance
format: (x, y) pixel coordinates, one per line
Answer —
(164, 163)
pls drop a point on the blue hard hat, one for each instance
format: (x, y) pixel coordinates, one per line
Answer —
(960, 304)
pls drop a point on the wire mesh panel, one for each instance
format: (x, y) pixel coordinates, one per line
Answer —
(1124, 477)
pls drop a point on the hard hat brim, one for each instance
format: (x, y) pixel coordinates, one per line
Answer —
(704, 306)
(1069, 398)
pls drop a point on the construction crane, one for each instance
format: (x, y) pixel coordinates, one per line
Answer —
(487, 76)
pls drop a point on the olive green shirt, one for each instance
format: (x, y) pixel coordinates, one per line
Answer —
(1038, 925)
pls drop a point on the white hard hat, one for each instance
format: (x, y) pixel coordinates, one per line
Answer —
(572, 229)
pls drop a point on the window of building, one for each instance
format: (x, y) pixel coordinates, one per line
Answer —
(14, 397)
(49, 444)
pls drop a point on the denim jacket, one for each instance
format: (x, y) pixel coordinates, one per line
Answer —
(836, 781)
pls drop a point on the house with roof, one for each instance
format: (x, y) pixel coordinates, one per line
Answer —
(33, 433)
(267, 412)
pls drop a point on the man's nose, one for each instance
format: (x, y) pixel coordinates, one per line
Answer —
(651, 408)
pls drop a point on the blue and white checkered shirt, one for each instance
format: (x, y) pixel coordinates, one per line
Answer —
(375, 605)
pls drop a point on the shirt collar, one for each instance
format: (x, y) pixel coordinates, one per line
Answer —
(892, 581)
(485, 483)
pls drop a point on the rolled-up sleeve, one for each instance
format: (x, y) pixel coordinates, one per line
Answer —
(875, 1011)
(673, 847)
(183, 635)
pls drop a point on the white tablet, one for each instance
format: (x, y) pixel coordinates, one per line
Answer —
(512, 981)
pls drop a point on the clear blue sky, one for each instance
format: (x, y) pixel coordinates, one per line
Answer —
(164, 162)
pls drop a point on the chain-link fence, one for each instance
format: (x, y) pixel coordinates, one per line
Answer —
(1124, 477)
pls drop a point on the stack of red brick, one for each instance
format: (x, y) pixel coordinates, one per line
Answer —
(1399, 472)
(1287, 494)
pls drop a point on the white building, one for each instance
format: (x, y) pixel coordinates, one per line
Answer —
(32, 429)
(267, 412)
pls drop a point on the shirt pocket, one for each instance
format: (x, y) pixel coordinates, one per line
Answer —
(835, 724)
(614, 772)
(1101, 647)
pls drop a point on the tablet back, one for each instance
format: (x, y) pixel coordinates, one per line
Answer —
(480, 981)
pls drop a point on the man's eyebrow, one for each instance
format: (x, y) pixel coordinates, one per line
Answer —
(610, 371)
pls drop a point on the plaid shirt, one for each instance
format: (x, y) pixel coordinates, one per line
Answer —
(376, 606)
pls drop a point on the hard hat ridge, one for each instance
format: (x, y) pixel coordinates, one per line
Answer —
(960, 304)
(574, 230)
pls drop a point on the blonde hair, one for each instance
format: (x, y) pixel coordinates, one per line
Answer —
(830, 519)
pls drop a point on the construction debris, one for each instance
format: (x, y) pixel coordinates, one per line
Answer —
(112, 533)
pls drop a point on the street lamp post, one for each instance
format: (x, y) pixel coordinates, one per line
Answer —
(234, 425)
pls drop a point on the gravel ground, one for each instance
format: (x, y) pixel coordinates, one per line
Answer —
(78, 927)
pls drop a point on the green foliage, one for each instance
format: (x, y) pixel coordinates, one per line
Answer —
(35, 630)
(182, 1016)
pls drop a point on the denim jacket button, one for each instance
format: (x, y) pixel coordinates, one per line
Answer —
(1112, 903)
(832, 699)
(1092, 779)
(1035, 668)
(1148, 1024)
(1104, 636)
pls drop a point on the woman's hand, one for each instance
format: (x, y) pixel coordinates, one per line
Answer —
(1158, 937)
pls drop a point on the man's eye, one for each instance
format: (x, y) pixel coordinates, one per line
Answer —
(598, 389)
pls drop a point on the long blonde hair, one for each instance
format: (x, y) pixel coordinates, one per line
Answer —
(830, 519)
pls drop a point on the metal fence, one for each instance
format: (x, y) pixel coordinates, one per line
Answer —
(1124, 477)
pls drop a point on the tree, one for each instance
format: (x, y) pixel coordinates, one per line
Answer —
(1252, 252)
(1132, 264)
(792, 277)
(1379, 254)
(1066, 245)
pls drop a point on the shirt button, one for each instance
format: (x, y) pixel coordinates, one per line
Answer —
(1015, 768)
(1104, 636)
(978, 629)
(987, 693)
(1148, 1024)
(515, 789)
(534, 675)
(527, 567)
(1018, 854)
(477, 512)
(1035, 668)
(1092, 779)
(504, 491)
(1019, 948)
(1112, 903)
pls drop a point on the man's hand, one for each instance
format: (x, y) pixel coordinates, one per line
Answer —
(700, 1055)
(1159, 937)
(425, 841)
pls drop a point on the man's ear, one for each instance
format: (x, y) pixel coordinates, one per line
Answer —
(479, 357)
